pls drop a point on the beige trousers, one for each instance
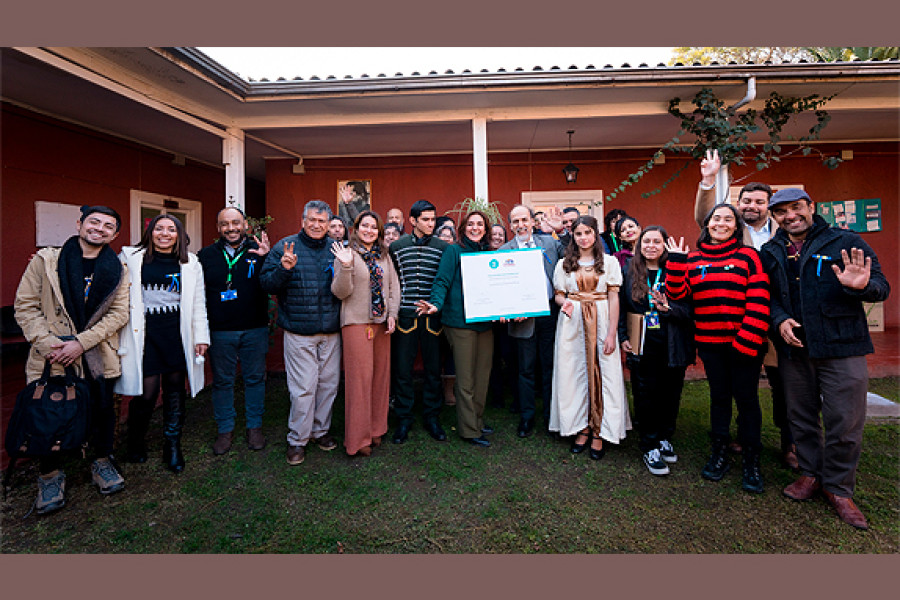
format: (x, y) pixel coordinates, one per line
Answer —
(313, 365)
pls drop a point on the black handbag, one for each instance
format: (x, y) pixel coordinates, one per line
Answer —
(52, 414)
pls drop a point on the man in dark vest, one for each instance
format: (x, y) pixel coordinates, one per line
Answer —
(238, 311)
(820, 276)
(299, 269)
(71, 303)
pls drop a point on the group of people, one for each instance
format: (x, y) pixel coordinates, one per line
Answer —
(374, 297)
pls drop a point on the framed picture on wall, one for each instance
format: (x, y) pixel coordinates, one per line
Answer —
(353, 197)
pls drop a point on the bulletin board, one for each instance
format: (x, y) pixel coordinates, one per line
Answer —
(55, 222)
(861, 216)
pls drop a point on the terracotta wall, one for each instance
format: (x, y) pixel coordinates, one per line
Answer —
(446, 180)
(46, 159)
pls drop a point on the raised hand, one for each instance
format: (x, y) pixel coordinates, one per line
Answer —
(342, 253)
(659, 300)
(678, 247)
(857, 269)
(709, 167)
(288, 259)
(552, 219)
(263, 241)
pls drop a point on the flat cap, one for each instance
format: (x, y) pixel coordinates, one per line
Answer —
(788, 195)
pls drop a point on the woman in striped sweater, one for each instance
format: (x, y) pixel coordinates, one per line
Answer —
(730, 292)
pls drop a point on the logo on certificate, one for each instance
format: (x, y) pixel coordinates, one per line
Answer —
(509, 262)
(494, 263)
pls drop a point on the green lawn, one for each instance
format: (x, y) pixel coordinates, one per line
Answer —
(520, 496)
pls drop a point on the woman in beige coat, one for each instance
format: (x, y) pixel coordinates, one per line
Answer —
(367, 284)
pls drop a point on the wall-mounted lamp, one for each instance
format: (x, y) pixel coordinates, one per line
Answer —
(298, 169)
(570, 170)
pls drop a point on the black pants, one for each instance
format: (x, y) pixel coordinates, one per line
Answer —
(412, 335)
(102, 426)
(733, 375)
(779, 405)
(536, 353)
(657, 396)
(505, 365)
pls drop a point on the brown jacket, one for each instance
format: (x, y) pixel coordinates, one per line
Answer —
(351, 285)
(704, 203)
(41, 313)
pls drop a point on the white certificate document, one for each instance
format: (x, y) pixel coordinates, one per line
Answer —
(504, 283)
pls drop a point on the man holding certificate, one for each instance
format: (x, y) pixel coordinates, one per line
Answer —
(534, 335)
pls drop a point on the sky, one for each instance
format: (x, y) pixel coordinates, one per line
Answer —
(272, 63)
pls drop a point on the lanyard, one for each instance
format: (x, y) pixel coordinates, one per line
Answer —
(231, 262)
(653, 287)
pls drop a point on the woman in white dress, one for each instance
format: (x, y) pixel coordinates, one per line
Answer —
(588, 385)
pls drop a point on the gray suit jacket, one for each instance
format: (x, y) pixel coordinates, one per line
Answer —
(553, 253)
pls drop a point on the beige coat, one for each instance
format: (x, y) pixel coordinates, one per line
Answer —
(351, 286)
(41, 313)
(704, 202)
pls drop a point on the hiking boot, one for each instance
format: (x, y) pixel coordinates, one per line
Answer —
(655, 463)
(255, 438)
(51, 493)
(718, 463)
(222, 443)
(325, 442)
(296, 455)
(106, 477)
(752, 478)
(667, 452)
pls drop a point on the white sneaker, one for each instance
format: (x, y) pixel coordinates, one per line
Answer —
(655, 464)
(667, 452)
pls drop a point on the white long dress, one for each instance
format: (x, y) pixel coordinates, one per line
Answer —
(570, 409)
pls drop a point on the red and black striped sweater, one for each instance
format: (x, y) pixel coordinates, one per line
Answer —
(730, 293)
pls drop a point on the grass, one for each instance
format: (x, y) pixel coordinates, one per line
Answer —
(520, 496)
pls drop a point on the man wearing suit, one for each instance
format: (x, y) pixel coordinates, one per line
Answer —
(752, 203)
(535, 335)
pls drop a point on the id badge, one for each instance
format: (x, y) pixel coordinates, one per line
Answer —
(229, 295)
(652, 319)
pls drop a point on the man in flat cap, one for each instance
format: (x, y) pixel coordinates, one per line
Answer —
(820, 276)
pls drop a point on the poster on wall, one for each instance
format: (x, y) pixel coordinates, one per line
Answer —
(861, 216)
(354, 196)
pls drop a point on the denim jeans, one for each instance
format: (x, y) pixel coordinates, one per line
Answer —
(250, 346)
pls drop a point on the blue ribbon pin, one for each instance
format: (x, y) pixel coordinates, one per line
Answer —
(175, 286)
(819, 258)
(251, 262)
(703, 270)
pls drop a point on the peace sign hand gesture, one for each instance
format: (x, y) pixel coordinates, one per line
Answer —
(710, 166)
(857, 269)
(288, 259)
(342, 253)
(678, 247)
(263, 242)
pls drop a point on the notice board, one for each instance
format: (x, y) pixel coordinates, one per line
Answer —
(861, 216)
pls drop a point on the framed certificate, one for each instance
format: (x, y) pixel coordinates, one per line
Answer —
(504, 283)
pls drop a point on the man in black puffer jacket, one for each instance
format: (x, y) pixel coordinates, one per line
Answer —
(299, 270)
(820, 276)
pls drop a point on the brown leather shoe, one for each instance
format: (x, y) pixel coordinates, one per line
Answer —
(363, 452)
(847, 510)
(222, 443)
(803, 489)
(255, 438)
(376, 441)
(789, 458)
(325, 442)
(296, 455)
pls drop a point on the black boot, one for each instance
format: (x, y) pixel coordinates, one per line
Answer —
(139, 413)
(752, 478)
(173, 421)
(718, 463)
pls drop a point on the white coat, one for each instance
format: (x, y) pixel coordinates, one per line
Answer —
(194, 326)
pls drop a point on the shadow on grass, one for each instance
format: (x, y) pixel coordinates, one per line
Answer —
(519, 496)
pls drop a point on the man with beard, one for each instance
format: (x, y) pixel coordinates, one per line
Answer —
(238, 311)
(820, 277)
(71, 303)
(752, 204)
(534, 336)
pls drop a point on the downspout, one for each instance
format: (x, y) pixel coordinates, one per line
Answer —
(723, 177)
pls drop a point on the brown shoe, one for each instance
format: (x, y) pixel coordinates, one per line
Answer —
(789, 458)
(255, 438)
(296, 454)
(376, 441)
(803, 489)
(364, 451)
(847, 510)
(325, 442)
(222, 443)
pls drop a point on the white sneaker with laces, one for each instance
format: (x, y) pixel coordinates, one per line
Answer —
(667, 452)
(655, 464)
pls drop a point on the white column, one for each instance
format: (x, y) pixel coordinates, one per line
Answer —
(723, 182)
(479, 150)
(233, 158)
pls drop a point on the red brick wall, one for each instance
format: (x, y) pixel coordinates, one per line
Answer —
(446, 180)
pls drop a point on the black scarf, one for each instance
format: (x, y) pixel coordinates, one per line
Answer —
(107, 274)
